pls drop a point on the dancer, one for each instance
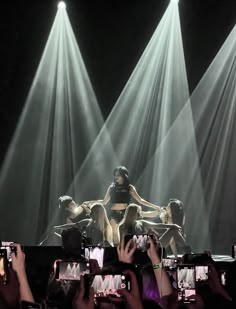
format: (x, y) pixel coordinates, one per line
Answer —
(173, 219)
(133, 222)
(119, 194)
(97, 228)
(72, 211)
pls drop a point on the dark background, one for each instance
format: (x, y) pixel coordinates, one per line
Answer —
(111, 35)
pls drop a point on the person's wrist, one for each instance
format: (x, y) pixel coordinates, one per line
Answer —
(156, 266)
(155, 259)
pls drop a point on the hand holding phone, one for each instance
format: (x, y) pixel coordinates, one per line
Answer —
(70, 270)
(186, 283)
(94, 252)
(139, 240)
(201, 273)
(10, 247)
(169, 264)
(106, 285)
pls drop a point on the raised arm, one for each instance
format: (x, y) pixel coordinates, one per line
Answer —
(76, 211)
(162, 279)
(140, 200)
(18, 265)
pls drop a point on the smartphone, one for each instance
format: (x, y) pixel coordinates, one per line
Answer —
(234, 251)
(169, 263)
(96, 253)
(29, 305)
(3, 266)
(70, 270)
(10, 248)
(105, 285)
(140, 240)
(186, 283)
(201, 273)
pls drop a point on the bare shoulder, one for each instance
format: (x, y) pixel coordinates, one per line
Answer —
(110, 187)
(132, 188)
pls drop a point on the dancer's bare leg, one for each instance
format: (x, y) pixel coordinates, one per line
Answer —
(173, 247)
(114, 227)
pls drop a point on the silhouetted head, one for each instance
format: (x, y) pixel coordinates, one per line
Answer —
(72, 242)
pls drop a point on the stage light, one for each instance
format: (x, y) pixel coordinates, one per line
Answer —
(61, 5)
(214, 110)
(175, 1)
(59, 123)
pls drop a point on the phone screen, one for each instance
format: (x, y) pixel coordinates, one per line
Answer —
(8, 246)
(3, 266)
(186, 283)
(70, 270)
(140, 240)
(96, 253)
(169, 263)
(105, 285)
(201, 273)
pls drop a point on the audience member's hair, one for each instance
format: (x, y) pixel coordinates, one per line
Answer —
(72, 242)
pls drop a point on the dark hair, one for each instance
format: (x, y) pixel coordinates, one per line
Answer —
(129, 224)
(72, 242)
(123, 172)
(99, 215)
(132, 213)
(177, 211)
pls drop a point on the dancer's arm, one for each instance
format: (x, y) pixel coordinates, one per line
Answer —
(76, 211)
(150, 214)
(140, 200)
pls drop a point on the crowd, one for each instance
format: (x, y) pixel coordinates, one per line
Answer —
(123, 282)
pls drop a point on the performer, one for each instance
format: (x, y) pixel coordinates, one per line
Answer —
(97, 228)
(133, 222)
(72, 211)
(173, 219)
(119, 194)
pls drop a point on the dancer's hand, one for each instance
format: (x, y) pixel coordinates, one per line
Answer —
(126, 252)
(86, 208)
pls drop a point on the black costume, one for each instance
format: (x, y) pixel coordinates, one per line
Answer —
(119, 194)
